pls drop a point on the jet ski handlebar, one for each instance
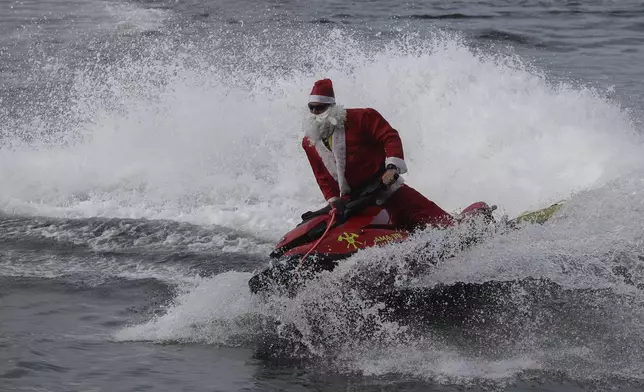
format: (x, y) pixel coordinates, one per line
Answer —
(358, 200)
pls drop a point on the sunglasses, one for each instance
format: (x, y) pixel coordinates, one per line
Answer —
(318, 108)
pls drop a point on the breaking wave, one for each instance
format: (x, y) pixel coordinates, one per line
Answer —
(207, 132)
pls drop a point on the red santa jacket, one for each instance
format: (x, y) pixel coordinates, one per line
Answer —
(361, 149)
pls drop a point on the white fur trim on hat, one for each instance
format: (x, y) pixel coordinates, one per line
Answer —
(321, 99)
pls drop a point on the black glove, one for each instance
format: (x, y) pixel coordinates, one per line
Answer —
(311, 214)
(390, 175)
(340, 205)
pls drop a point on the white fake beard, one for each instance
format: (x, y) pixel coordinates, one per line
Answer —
(321, 126)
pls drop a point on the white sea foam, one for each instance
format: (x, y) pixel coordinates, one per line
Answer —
(212, 312)
(219, 144)
(168, 141)
(92, 270)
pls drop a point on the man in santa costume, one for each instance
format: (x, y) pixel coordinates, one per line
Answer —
(350, 148)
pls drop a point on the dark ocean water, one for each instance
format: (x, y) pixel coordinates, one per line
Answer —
(149, 157)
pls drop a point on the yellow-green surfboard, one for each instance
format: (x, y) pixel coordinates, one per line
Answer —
(540, 216)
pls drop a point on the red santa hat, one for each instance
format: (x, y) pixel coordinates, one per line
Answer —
(322, 92)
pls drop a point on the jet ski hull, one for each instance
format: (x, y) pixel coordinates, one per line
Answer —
(292, 269)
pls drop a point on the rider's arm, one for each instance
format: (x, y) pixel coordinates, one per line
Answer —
(328, 185)
(388, 137)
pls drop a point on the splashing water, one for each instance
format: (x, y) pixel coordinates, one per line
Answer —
(214, 139)
(183, 139)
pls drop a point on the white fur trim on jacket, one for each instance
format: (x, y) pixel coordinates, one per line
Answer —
(327, 158)
(321, 99)
(399, 163)
(340, 154)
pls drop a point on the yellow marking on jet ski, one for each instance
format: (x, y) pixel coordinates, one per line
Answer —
(387, 238)
(351, 240)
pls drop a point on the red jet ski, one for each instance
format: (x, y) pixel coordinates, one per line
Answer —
(322, 239)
